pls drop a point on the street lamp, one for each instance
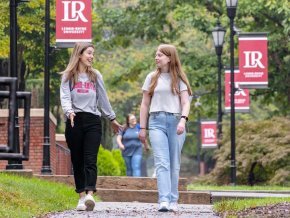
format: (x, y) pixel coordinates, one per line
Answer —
(197, 105)
(218, 34)
(46, 144)
(14, 164)
(231, 10)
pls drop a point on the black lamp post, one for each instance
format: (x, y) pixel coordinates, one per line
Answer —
(198, 132)
(46, 144)
(218, 34)
(231, 10)
(13, 38)
(14, 164)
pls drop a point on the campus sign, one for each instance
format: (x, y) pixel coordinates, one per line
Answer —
(208, 134)
(242, 96)
(73, 22)
(253, 60)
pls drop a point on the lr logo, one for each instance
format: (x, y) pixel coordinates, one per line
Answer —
(209, 133)
(239, 91)
(73, 11)
(253, 59)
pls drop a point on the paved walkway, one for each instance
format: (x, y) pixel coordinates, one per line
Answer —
(146, 210)
(149, 210)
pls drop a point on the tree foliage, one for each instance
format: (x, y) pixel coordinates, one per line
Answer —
(141, 25)
(127, 32)
(188, 25)
(30, 43)
(262, 154)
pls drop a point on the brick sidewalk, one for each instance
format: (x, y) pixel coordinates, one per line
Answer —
(146, 210)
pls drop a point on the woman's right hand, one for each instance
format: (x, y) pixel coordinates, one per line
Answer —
(71, 117)
(142, 135)
(116, 126)
(122, 147)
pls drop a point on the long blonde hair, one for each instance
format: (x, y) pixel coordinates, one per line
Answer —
(72, 67)
(175, 70)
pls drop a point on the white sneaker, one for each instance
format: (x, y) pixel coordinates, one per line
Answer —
(89, 202)
(163, 206)
(173, 207)
(81, 204)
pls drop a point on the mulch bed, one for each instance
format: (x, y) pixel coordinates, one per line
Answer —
(281, 210)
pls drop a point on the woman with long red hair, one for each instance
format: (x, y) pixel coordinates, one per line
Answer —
(166, 94)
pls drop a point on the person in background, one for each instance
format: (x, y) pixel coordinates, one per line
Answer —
(131, 146)
(83, 98)
(166, 94)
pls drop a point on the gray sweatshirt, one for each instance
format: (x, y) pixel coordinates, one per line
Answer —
(85, 96)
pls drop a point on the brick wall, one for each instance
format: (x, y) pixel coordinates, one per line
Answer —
(64, 166)
(58, 155)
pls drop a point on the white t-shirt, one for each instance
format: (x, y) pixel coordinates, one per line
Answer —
(163, 99)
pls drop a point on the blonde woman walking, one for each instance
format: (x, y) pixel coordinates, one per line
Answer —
(83, 98)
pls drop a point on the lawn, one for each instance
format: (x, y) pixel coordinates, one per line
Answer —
(199, 187)
(233, 206)
(30, 197)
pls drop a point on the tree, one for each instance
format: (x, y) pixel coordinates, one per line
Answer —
(262, 154)
(127, 32)
(188, 25)
(30, 26)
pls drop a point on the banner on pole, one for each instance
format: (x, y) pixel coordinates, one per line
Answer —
(73, 22)
(242, 96)
(253, 60)
(208, 134)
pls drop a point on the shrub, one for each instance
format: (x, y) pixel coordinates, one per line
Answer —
(118, 157)
(262, 154)
(107, 164)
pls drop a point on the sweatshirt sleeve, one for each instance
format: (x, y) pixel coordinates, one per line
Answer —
(103, 100)
(65, 97)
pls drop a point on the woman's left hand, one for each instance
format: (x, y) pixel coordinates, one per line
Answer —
(181, 126)
(116, 126)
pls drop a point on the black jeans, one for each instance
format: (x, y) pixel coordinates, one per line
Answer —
(83, 141)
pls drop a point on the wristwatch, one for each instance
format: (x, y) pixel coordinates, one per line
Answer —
(185, 117)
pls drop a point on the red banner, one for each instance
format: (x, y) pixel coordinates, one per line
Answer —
(73, 22)
(253, 60)
(242, 96)
(208, 134)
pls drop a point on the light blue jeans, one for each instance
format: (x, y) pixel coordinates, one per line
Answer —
(167, 147)
(133, 165)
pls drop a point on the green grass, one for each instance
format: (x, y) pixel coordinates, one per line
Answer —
(199, 187)
(29, 197)
(233, 206)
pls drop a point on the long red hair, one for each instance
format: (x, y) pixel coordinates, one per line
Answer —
(175, 70)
